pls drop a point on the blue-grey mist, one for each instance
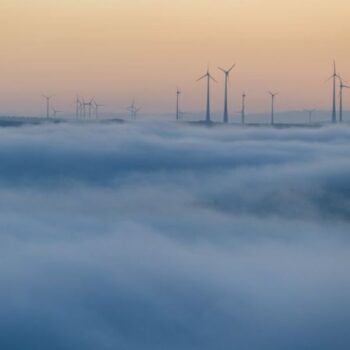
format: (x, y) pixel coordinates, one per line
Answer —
(157, 235)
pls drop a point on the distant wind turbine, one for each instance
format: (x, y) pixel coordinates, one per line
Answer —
(97, 109)
(209, 77)
(243, 108)
(136, 111)
(342, 87)
(131, 109)
(334, 76)
(273, 95)
(310, 112)
(178, 93)
(83, 108)
(55, 112)
(48, 100)
(78, 107)
(227, 77)
(89, 104)
(182, 114)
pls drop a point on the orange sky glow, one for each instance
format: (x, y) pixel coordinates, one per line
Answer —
(120, 49)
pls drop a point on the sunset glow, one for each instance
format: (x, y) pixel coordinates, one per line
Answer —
(118, 49)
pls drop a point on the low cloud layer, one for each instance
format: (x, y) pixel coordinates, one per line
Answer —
(167, 236)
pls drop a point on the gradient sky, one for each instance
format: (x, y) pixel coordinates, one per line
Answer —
(117, 49)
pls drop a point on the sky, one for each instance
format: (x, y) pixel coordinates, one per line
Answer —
(154, 235)
(120, 49)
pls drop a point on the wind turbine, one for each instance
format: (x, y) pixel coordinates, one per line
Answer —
(310, 112)
(178, 93)
(97, 107)
(334, 76)
(83, 108)
(342, 87)
(227, 77)
(55, 112)
(209, 77)
(131, 109)
(78, 105)
(273, 95)
(89, 104)
(182, 114)
(136, 111)
(48, 99)
(243, 108)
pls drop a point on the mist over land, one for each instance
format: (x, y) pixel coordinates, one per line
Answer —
(160, 235)
(282, 117)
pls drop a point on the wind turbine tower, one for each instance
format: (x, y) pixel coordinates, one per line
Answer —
(48, 100)
(89, 104)
(131, 109)
(342, 87)
(310, 112)
(83, 108)
(55, 112)
(97, 109)
(227, 77)
(273, 95)
(209, 77)
(178, 93)
(78, 107)
(243, 108)
(334, 76)
(136, 111)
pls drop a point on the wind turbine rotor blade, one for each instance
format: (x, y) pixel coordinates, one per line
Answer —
(222, 70)
(212, 78)
(204, 76)
(342, 81)
(233, 66)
